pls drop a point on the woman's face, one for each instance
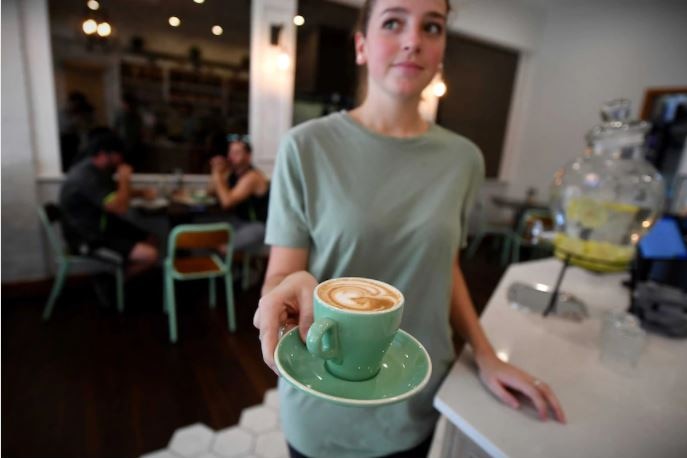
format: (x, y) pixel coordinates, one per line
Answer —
(238, 155)
(403, 46)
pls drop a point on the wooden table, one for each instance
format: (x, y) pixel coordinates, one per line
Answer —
(641, 414)
(161, 220)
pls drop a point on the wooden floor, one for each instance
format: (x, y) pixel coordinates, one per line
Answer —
(94, 383)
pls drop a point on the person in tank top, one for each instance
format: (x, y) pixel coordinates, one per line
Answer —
(243, 191)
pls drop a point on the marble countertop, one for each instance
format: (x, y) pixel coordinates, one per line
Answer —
(639, 413)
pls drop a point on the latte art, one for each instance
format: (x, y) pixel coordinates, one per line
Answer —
(358, 294)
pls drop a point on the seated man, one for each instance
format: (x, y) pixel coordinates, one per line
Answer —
(92, 203)
(243, 189)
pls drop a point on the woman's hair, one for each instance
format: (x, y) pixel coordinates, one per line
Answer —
(366, 11)
(246, 145)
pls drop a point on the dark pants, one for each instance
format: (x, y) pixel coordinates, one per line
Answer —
(119, 235)
(419, 451)
(247, 234)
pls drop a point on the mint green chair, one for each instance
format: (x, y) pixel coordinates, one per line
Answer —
(259, 254)
(50, 215)
(531, 225)
(192, 238)
(500, 229)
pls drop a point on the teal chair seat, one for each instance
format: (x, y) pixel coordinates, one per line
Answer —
(50, 216)
(191, 256)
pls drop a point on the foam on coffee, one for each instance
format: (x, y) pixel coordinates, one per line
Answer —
(358, 294)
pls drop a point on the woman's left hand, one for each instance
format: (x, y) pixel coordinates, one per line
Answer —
(500, 377)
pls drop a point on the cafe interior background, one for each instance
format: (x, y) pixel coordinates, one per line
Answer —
(524, 79)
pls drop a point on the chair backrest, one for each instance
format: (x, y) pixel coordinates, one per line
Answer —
(532, 223)
(484, 211)
(198, 237)
(50, 214)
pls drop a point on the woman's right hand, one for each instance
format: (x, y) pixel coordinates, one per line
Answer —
(287, 305)
(218, 164)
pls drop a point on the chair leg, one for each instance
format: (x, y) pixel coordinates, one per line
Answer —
(508, 241)
(213, 293)
(165, 301)
(171, 307)
(245, 274)
(230, 302)
(60, 277)
(515, 257)
(119, 277)
(472, 249)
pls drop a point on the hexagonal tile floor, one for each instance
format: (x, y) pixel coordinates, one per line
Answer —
(258, 435)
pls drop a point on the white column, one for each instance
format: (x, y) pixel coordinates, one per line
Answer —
(22, 248)
(271, 87)
(35, 30)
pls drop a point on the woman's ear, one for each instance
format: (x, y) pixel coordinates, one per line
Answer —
(360, 51)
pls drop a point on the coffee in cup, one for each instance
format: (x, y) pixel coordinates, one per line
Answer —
(355, 321)
(359, 294)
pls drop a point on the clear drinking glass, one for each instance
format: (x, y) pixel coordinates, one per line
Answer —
(622, 341)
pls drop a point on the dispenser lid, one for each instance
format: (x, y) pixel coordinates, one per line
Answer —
(616, 124)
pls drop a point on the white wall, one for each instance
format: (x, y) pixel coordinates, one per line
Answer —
(590, 52)
(511, 23)
(22, 253)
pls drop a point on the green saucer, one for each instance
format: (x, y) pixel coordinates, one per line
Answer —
(405, 371)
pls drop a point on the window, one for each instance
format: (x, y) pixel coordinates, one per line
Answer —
(170, 77)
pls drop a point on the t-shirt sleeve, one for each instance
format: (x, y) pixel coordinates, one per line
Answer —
(287, 222)
(476, 181)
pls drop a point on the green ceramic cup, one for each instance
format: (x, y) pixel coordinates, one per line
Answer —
(353, 340)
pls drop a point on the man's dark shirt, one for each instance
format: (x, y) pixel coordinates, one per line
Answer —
(82, 199)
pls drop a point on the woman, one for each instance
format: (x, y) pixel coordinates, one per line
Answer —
(378, 192)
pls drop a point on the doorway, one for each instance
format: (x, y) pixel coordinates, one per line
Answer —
(480, 79)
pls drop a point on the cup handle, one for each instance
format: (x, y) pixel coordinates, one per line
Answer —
(323, 339)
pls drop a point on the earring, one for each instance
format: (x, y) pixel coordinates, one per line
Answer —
(439, 87)
(359, 59)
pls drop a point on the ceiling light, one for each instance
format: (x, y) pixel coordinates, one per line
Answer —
(104, 29)
(299, 20)
(217, 30)
(93, 4)
(174, 21)
(89, 26)
(199, 1)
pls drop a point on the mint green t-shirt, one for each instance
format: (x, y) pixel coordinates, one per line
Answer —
(391, 209)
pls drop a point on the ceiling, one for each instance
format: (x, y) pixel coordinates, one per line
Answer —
(144, 15)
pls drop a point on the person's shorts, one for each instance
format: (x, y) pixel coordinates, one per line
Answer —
(119, 236)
